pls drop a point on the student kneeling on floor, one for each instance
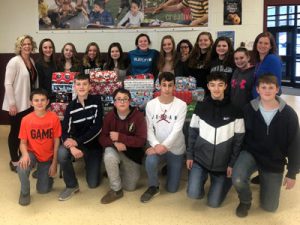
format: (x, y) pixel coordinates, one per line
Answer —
(215, 137)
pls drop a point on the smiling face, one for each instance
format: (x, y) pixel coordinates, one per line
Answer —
(68, 52)
(92, 52)
(26, 47)
(143, 43)
(263, 46)
(222, 49)
(241, 60)
(217, 89)
(267, 92)
(82, 88)
(39, 102)
(47, 49)
(204, 42)
(167, 45)
(115, 53)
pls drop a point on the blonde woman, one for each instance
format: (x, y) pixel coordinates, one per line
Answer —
(21, 78)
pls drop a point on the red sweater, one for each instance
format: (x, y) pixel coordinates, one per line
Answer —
(132, 132)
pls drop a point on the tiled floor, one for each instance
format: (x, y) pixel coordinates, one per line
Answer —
(174, 209)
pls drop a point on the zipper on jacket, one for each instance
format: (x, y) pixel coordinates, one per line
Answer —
(268, 130)
(213, 156)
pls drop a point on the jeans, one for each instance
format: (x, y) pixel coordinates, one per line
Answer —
(92, 159)
(219, 187)
(121, 171)
(174, 167)
(44, 182)
(270, 183)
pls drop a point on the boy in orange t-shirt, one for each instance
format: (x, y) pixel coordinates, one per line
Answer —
(39, 134)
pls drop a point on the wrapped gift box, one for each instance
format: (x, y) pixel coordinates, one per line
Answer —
(198, 94)
(185, 96)
(104, 76)
(66, 88)
(104, 88)
(59, 108)
(141, 97)
(182, 83)
(141, 76)
(139, 84)
(63, 77)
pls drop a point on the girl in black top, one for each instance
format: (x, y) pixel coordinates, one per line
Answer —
(69, 61)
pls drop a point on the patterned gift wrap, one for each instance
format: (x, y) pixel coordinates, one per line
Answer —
(198, 94)
(59, 108)
(182, 83)
(63, 97)
(63, 77)
(139, 84)
(59, 88)
(105, 76)
(141, 76)
(104, 88)
(185, 96)
(141, 97)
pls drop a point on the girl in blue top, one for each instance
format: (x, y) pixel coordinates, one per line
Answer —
(266, 59)
(142, 59)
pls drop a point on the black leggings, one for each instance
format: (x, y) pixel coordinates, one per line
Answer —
(13, 137)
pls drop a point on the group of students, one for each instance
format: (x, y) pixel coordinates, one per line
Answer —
(218, 131)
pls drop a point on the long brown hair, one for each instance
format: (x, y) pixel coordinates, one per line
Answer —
(273, 49)
(41, 54)
(75, 61)
(162, 54)
(196, 51)
(86, 60)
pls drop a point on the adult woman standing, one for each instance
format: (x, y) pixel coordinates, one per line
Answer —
(116, 60)
(143, 59)
(20, 79)
(46, 65)
(91, 59)
(266, 59)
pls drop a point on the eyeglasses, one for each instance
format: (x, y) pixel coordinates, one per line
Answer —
(184, 46)
(122, 100)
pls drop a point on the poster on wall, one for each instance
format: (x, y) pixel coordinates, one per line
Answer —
(120, 14)
(232, 12)
(229, 34)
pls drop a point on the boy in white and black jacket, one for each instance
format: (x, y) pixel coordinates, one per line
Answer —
(272, 136)
(215, 137)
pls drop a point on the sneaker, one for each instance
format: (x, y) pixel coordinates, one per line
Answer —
(12, 167)
(242, 209)
(255, 180)
(67, 193)
(34, 174)
(149, 194)
(111, 196)
(24, 199)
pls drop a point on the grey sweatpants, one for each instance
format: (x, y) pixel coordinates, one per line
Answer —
(122, 172)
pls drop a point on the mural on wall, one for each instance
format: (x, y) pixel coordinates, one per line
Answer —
(120, 14)
(232, 12)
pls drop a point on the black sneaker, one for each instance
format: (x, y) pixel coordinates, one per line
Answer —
(242, 209)
(35, 174)
(24, 199)
(149, 194)
(12, 167)
(255, 180)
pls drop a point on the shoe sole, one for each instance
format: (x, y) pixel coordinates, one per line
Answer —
(70, 196)
(150, 198)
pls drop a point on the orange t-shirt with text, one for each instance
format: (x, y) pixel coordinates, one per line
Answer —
(40, 133)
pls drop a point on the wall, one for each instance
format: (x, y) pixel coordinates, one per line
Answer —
(20, 17)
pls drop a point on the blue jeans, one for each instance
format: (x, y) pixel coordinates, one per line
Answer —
(174, 166)
(270, 183)
(92, 159)
(219, 187)
(44, 182)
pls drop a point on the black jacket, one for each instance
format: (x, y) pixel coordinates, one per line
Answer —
(271, 145)
(215, 135)
(83, 123)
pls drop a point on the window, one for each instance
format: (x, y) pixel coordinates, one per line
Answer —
(283, 16)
